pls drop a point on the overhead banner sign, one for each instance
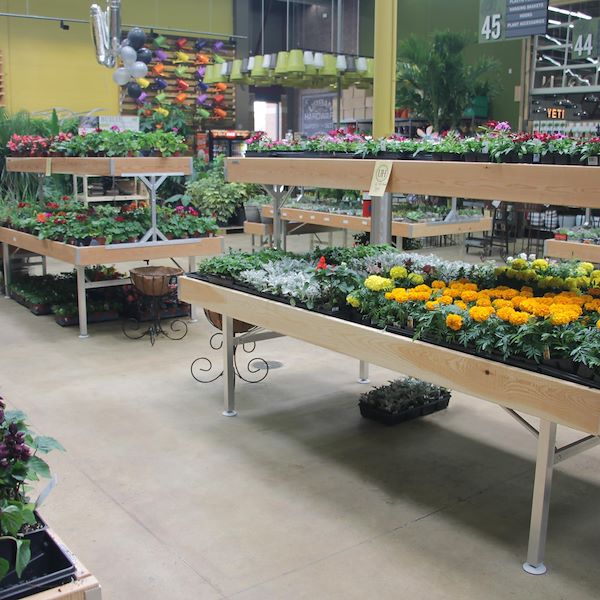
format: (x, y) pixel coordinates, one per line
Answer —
(508, 19)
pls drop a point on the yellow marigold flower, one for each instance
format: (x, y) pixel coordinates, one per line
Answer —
(516, 301)
(456, 285)
(445, 299)
(423, 288)
(560, 319)
(398, 272)
(519, 318)
(418, 296)
(484, 301)
(460, 304)
(471, 286)
(598, 323)
(375, 283)
(509, 293)
(587, 267)
(481, 313)
(399, 295)
(469, 296)
(353, 300)
(452, 292)
(431, 305)
(518, 264)
(501, 303)
(505, 313)
(416, 278)
(437, 284)
(454, 322)
(540, 264)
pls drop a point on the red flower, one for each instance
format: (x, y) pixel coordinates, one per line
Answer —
(23, 205)
(322, 264)
(52, 205)
(119, 219)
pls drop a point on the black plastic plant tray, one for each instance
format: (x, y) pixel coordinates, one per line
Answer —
(382, 416)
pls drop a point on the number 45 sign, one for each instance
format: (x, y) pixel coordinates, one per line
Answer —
(492, 20)
(585, 39)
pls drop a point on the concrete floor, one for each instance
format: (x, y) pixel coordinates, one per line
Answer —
(298, 497)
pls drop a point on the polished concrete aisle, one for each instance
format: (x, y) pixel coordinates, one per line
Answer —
(297, 498)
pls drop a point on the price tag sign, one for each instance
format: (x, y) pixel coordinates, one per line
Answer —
(492, 20)
(381, 176)
(585, 39)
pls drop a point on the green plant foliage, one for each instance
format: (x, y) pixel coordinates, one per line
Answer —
(404, 394)
(433, 79)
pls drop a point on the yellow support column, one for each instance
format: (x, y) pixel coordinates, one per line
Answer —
(384, 83)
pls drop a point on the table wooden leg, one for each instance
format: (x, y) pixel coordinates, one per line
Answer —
(540, 507)
(6, 263)
(193, 308)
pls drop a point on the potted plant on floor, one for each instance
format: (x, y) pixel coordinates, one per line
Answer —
(403, 400)
(30, 560)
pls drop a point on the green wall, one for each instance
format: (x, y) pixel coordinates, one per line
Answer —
(422, 17)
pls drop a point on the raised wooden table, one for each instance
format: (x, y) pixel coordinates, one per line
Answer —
(553, 400)
(399, 229)
(572, 250)
(81, 257)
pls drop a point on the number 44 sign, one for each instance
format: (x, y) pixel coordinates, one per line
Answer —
(585, 39)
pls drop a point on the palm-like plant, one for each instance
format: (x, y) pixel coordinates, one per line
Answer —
(433, 79)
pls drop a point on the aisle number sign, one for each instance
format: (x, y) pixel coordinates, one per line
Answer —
(585, 39)
(507, 19)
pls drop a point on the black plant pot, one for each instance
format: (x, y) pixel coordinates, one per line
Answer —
(388, 418)
(562, 159)
(452, 156)
(49, 567)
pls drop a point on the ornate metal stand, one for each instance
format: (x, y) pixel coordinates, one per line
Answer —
(203, 370)
(178, 328)
(154, 282)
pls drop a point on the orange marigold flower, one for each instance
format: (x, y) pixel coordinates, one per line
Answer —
(437, 284)
(460, 304)
(454, 322)
(505, 313)
(445, 299)
(431, 305)
(480, 314)
(501, 303)
(484, 301)
(519, 318)
(469, 296)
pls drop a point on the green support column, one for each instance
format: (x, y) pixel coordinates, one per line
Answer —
(384, 84)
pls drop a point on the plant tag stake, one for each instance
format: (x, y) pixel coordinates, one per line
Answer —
(46, 491)
(546, 353)
(410, 322)
(48, 167)
(381, 176)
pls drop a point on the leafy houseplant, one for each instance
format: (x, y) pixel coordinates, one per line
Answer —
(214, 197)
(433, 79)
(20, 467)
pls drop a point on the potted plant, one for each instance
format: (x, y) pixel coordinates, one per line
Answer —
(403, 400)
(30, 560)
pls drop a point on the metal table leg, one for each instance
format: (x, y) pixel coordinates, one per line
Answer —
(541, 499)
(363, 374)
(193, 309)
(6, 263)
(81, 302)
(228, 367)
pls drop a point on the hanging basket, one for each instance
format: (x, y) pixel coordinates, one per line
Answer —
(216, 320)
(154, 281)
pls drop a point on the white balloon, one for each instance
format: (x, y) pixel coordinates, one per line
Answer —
(138, 69)
(128, 55)
(121, 76)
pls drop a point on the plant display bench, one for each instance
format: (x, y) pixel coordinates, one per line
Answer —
(151, 171)
(265, 230)
(399, 229)
(521, 183)
(572, 250)
(85, 256)
(554, 401)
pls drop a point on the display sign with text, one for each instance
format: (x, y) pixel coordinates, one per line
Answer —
(509, 19)
(585, 39)
(316, 113)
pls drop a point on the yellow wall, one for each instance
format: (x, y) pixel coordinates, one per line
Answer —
(46, 67)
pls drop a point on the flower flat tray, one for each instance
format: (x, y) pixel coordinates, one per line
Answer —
(388, 418)
(540, 395)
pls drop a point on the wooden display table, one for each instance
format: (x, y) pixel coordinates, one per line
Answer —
(554, 401)
(399, 229)
(572, 250)
(81, 257)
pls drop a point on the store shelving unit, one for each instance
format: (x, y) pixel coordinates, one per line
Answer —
(152, 171)
(553, 400)
(138, 194)
(572, 250)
